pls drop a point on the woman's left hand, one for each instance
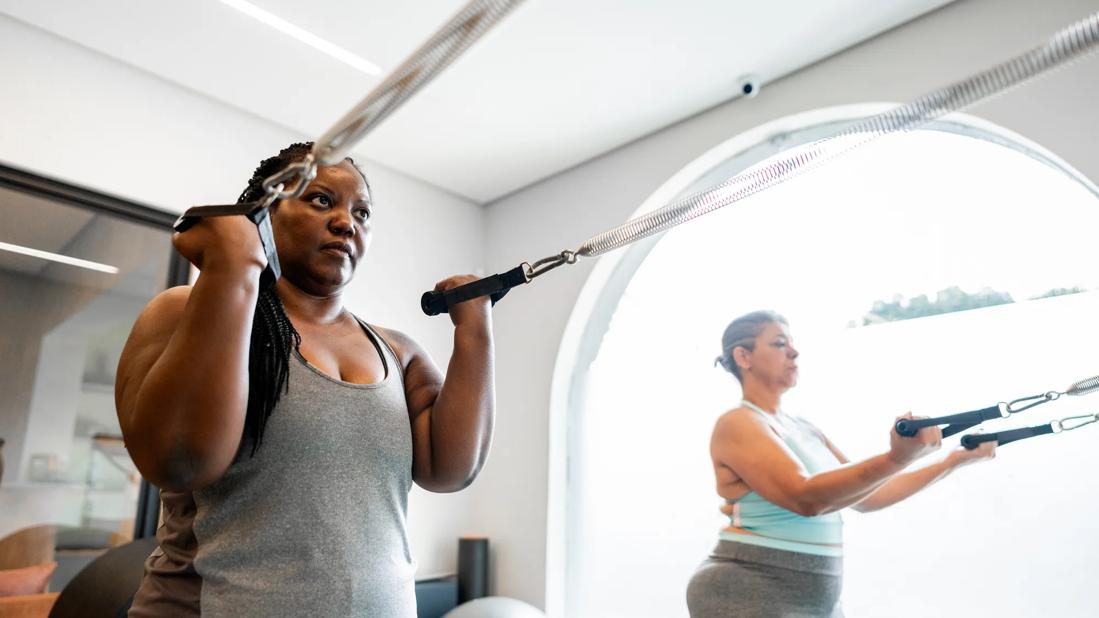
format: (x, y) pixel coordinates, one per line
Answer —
(475, 311)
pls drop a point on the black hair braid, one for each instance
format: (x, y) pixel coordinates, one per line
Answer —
(272, 333)
(268, 362)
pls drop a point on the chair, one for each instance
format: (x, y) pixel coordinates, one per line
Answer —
(73, 548)
(28, 547)
(27, 605)
(106, 587)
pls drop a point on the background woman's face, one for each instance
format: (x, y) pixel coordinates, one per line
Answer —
(774, 359)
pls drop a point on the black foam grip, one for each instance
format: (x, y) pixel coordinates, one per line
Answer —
(973, 440)
(495, 287)
(435, 302)
(909, 427)
(185, 222)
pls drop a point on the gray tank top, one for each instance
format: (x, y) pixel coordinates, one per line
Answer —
(314, 523)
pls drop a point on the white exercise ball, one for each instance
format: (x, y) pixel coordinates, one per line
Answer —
(495, 607)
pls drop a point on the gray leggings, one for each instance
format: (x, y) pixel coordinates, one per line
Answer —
(748, 581)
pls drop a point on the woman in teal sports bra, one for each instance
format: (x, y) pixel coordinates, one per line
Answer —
(784, 484)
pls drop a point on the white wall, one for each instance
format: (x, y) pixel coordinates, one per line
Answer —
(562, 211)
(70, 113)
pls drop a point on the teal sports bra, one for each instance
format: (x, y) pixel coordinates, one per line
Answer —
(775, 527)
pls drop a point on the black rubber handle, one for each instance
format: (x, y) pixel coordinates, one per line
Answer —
(973, 440)
(909, 427)
(196, 213)
(434, 302)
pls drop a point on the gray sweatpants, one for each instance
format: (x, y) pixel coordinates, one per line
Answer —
(748, 581)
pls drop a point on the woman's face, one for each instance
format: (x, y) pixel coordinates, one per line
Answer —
(322, 235)
(773, 361)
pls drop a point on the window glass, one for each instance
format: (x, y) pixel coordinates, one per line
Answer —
(931, 272)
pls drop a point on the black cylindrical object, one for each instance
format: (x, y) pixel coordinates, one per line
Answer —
(908, 427)
(434, 302)
(472, 568)
(973, 440)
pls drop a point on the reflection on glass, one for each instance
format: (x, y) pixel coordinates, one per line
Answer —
(67, 485)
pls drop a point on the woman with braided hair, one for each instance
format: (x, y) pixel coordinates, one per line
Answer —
(284, 432)
(784, 484)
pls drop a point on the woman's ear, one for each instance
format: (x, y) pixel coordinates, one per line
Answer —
(740, 357)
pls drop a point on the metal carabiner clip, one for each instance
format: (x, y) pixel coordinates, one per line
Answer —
(303, 171)
(1073, 422)
(1033, 400)
(544, 265)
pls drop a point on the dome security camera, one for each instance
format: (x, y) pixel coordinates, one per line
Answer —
(748, 85)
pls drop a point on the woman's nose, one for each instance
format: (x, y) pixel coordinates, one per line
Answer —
(340, 223)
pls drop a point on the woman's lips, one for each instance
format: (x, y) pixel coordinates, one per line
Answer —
(338, 249)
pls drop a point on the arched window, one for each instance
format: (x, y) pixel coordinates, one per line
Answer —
(876, 259)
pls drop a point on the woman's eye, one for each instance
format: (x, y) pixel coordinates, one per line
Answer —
(320, 199)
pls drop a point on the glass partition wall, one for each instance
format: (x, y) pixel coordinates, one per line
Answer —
(76, 268)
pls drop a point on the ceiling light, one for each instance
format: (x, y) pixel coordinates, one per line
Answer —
(54, 257)
(304, 36)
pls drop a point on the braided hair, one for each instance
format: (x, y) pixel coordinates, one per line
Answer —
(273, 335)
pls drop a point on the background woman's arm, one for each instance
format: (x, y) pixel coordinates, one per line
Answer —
(747, 445)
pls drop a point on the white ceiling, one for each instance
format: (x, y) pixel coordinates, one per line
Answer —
(556, 83)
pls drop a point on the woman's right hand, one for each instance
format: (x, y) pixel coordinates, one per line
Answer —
(229, 243)
(904, 450)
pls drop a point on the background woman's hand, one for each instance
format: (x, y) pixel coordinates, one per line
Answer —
(962, 456)
(904, 450)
